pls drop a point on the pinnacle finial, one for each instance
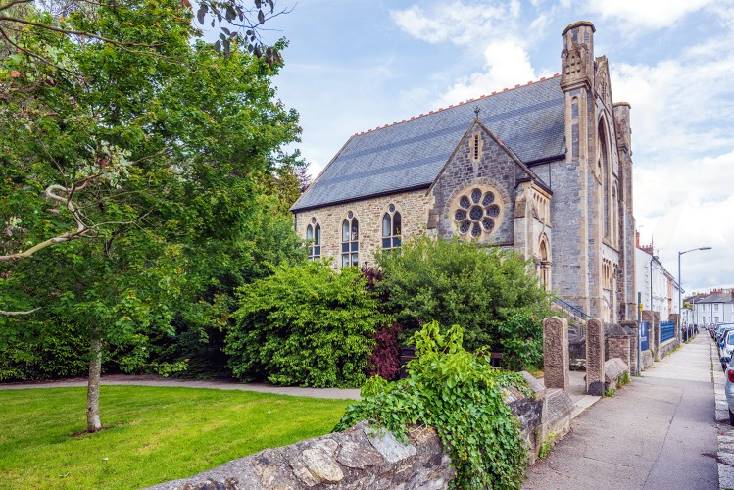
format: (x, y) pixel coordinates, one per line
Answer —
(476, 111)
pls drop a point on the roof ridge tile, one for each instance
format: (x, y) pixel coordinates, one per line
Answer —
(440, 109)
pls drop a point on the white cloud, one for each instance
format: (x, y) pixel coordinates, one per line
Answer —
(646, 13)
(506, 63)
(678, 105)
(683, 144)
(457, 22)
(688, 204)
(490, 28)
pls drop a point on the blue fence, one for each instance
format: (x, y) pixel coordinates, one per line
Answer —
(645, 335)
(667, 330)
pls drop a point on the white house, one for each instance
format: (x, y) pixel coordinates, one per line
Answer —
(714, 307)
(657, 287)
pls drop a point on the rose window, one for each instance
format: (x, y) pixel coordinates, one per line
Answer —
(477, 212)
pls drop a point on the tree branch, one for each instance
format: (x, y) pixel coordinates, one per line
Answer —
(72, 32)
(29, 52)
(13, 3)
(18, 313)
(65, 237)
(53, 192)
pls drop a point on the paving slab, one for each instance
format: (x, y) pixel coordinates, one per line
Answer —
(655, 433)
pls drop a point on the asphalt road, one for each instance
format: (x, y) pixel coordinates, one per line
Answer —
(656, 433)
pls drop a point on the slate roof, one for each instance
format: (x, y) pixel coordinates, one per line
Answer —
(716, 298)
(410, 154)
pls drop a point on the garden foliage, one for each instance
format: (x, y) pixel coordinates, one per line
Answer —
(42, 350)
(385, 358)
(491, 292)
(460, 395)
(169, 149)
(305, 325)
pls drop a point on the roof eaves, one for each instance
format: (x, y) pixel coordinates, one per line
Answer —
(400, 190)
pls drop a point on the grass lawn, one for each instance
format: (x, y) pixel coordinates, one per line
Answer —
(153, 434)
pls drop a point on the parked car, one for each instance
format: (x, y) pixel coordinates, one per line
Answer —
(721, 330)
(729, 390)
(726, 347)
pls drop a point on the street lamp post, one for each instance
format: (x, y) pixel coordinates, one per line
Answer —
(680, 284)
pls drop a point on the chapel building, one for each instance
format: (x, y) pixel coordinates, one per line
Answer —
(543, 168)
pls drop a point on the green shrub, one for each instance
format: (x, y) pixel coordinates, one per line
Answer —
(460, 395)
(32, 350)
(521, 338)
(490, 292)
(305, 325)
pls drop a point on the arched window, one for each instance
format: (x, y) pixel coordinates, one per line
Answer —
(615, 216)
(350, 241)
(391, 229)
(545, 264)
(313, 236)
(604, 168)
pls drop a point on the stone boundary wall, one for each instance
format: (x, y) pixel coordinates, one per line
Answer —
(358, 458)
(646, 359)
(668, 346)
(614, 369)
(367, 458)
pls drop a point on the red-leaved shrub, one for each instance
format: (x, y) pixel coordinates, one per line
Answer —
(385, 358)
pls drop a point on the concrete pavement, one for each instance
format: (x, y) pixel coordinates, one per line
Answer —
(656, 433)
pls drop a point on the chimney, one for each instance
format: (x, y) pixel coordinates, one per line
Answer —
(637, 239)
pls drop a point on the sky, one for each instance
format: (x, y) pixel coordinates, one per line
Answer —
(353, 65)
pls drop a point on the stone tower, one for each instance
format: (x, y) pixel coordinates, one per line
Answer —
(628, 296)
(573, 200)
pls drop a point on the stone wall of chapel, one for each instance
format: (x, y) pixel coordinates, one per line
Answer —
(494, 168)
(413, 207)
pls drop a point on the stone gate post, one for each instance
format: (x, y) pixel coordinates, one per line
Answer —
(595, 357)
(653, 319)
(656, 335)
(676, 321)
(555, 352)
(634, 332)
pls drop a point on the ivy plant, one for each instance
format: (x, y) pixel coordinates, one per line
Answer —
(460, 395)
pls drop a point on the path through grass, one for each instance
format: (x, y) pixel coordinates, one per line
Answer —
(154, 434)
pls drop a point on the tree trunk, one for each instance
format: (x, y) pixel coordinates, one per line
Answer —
(94, 423)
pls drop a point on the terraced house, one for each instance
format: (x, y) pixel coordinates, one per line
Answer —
(543, 168)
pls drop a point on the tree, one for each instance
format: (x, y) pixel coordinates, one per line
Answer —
(239, 21)
(141, 155)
